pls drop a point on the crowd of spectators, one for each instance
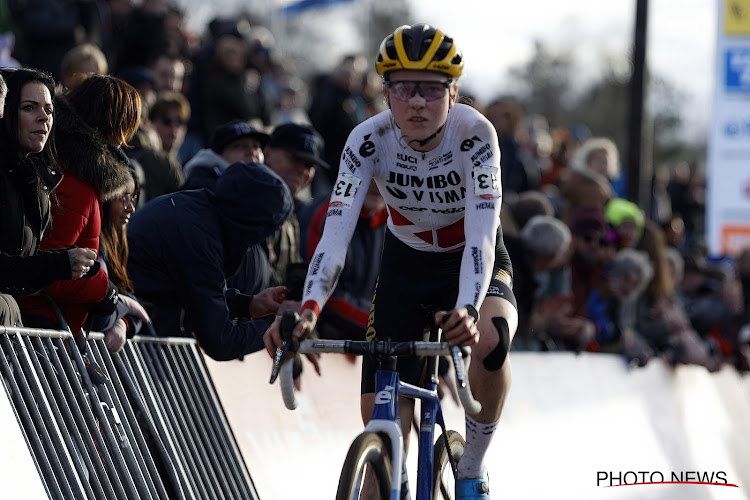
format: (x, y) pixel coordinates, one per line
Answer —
(188, 180)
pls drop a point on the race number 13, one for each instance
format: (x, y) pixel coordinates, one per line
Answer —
(486, 184)
(345, 189)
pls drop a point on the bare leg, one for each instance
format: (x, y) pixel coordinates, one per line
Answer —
(490, 384)
(491, 387)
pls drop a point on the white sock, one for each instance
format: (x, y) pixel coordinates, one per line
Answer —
(478, 438)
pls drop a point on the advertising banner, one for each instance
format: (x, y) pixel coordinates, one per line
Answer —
(728, 165)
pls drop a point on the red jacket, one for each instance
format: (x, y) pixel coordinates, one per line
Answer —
(75, 221)
(93, 171)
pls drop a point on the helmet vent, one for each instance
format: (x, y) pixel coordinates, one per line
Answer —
(445, 47)
(390, 49)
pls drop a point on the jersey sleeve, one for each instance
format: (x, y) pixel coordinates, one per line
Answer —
(347, 195)
(480, 160)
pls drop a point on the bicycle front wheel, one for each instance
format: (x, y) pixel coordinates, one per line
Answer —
(367, 466)
(443, 480)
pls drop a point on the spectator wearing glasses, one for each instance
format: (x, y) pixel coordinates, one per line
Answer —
(128, 318)
(169, 117)
(593, 249)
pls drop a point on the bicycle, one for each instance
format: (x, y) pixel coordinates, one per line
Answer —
(380, 446)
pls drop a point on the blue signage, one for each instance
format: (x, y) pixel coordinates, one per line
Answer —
(737, 65)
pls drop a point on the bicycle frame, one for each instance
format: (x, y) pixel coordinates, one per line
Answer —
(385, 419)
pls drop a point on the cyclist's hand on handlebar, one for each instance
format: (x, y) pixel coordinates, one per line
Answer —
(305, 325)
(458, 327)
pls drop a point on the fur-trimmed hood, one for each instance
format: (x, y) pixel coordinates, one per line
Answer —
(84, 152)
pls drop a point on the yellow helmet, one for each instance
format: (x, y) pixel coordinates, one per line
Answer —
(419, 47)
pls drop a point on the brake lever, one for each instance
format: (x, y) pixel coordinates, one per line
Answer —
(288, 322)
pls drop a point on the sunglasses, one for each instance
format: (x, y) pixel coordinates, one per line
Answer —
(172, 120)
(602, 240)
(429, 90)
(128, 199)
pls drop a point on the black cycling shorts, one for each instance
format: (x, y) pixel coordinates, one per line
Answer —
(410, 279)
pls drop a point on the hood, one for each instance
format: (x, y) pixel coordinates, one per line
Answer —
(252, 200)
(83, 151)
(205, 158)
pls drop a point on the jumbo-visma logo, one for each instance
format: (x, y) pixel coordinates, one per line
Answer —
(609, 479)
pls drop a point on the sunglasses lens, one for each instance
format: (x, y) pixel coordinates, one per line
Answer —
(430, 91)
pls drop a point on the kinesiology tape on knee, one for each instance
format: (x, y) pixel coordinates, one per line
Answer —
(495, 359)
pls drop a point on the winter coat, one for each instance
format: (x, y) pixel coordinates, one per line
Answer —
(93, 171)
(184, 245)
(25, 189)
(255, 272)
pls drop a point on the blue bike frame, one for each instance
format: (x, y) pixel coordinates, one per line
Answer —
(385, 419)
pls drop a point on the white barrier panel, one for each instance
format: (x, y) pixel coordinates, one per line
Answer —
(18, 474)
(573, 425)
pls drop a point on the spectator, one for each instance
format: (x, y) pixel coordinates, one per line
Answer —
(158, 173)
(542, 246)
(534, 149)
(529, 204)
(169, 73)
(506, 116)
(80, 62)
(714, 304)
(293, 152)
(661, 317)
(228, 89)
(169, 116)
(26, 183)
(128, 319)
(145, 35)
(593, 249)
(611, 306)
(687, 196)
(48, 29)
(292, 102)
(346, 312)
(337, 107)
(627, 220)
(231, 142)
(183, 247)
(600, 155)
(94, 120)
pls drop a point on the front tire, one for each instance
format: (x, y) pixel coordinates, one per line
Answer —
(368, 457)
(443, 480)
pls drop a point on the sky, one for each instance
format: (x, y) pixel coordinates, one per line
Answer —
(680, 44)
(681, 39)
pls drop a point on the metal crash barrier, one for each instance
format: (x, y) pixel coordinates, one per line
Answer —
(140, 424)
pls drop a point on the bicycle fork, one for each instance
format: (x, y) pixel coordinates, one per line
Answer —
(385, 420)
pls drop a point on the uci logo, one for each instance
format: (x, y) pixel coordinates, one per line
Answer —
(384, 397)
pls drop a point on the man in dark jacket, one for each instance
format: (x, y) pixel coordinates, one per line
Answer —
(184, 245)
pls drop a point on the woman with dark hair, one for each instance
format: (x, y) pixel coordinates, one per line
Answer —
(26, 183)
(113, 257)
(95, 119)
